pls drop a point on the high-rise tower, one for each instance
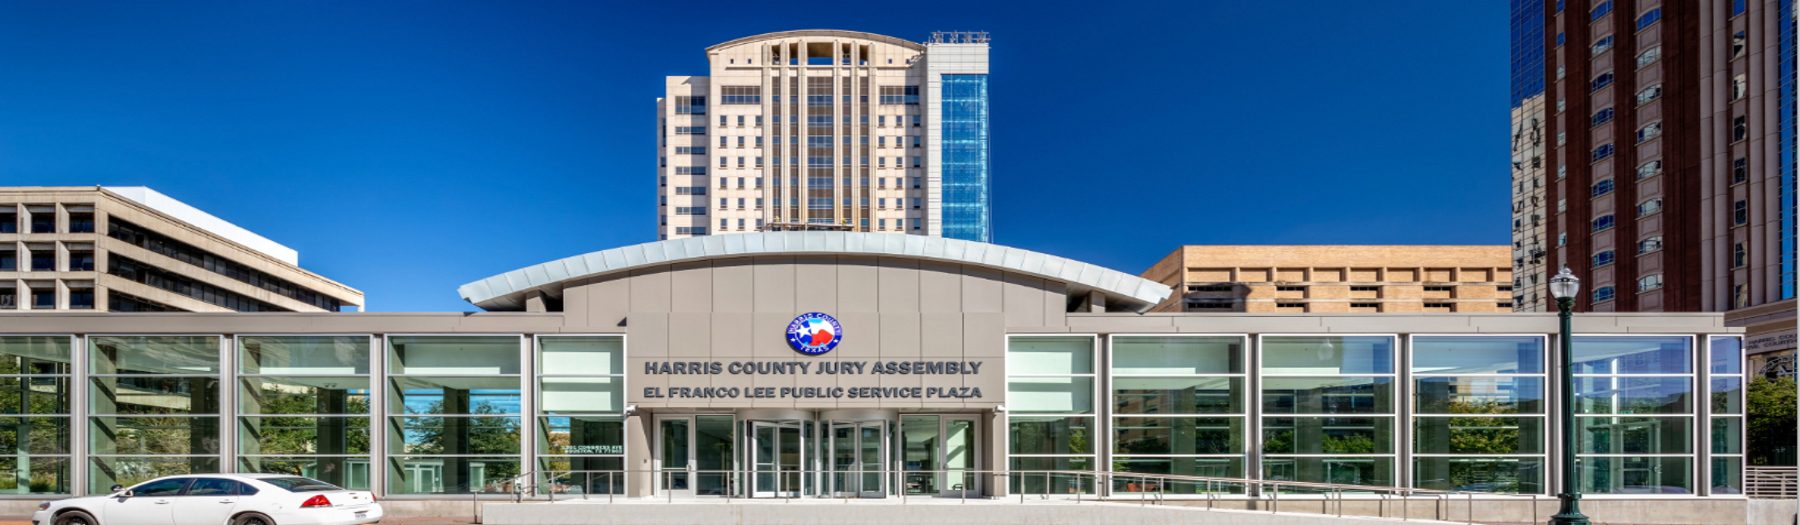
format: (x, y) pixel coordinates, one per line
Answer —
(831, 130)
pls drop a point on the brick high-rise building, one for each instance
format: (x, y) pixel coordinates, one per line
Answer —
(1669, 159)
(834, 130)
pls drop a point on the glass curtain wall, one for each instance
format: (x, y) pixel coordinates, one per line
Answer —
(965, 161)
(34, 377)
(1050, 412)
(581, 413)
(455, 411)
(304, 407)
(1328, 409)
(1726, 373)
(1634, 407)
(153, 405)
(1478, 413)
(1178, 407)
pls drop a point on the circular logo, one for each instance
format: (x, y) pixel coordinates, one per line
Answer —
(814, 333)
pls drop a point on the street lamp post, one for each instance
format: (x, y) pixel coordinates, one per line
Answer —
(1564, 287)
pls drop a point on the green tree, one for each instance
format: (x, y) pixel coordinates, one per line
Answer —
(1771, 421)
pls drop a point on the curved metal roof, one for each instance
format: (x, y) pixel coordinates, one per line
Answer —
(838, 33)
(507, 291)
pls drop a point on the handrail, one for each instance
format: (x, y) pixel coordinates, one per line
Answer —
(1150, 487)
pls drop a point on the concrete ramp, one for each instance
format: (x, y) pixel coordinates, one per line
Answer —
(932, 512)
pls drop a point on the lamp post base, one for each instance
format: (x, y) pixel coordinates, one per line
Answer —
(1570, 513)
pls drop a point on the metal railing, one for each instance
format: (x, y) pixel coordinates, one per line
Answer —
(1772, 482)
(1078, 485)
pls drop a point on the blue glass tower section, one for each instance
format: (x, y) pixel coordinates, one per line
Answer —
(967, 161)
(1787, 148)
(1527, 49)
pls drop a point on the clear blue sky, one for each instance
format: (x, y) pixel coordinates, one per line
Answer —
(406, 148)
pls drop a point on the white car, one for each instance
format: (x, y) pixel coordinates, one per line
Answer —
(217, 499)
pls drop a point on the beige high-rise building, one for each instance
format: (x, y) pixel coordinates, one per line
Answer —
(1336, 279)
(133, 249)
(829, 130)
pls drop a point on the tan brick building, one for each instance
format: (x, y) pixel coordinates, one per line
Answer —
(1336, 279)
(133, 249)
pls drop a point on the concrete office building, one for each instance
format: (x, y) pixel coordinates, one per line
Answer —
(1671, 129)
(131, 249)
(652, 368)
(829, 130)
(1367, 279)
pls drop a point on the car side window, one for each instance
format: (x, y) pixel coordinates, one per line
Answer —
(213, 487)
(244, 489)
(166, 487)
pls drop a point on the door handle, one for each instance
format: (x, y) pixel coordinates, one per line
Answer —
(162, 502)
(225, 501)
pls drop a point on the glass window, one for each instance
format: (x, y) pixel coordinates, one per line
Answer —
(1336, 398)
(1177, 355)
(455, 402)
(1050, 395)
(1328, 355)
(154, 355)
(1512, 475)
(1640, 392)
(1328, 395)
(1725, 432)
(1050, 355)
(154, 402)
(1478, 395)
(1177, 435)
(1178, 395)
(1633, 355)
(284, 355)
(310, 416)
(1478, 355)
(1050, 435)
(1050, 391)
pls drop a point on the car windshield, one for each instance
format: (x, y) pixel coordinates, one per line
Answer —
(300, 484)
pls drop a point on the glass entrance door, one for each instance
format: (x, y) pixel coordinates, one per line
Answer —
(674, 455)
(777, 453)
(942, 451)
(858, 456)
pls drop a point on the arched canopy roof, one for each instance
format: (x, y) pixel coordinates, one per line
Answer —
(507, 291)
(828, 33)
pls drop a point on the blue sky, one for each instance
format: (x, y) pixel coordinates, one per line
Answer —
(406, 148)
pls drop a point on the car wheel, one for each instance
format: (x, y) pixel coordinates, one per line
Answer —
(75, 517)
(252, 518)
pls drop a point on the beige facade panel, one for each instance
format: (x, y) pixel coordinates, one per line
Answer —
(1326, 279)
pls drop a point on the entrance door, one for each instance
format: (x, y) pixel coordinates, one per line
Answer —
(940, 452)
(960, 444)
(844, 481)
(858, 456)
(776, 454)
(674, 455)
(872, 442)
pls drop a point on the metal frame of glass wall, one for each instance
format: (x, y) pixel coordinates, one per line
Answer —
(1478, 416)
(154, 405)
(1637, 414)
(305, 407)
(1326, 422)
(37, 376)
(579, 411)
(1725, 436)
(1465, 412)
(1048, 423)
(1177, 404)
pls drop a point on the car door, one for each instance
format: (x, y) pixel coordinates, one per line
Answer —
(151, 503)
(207, 501)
